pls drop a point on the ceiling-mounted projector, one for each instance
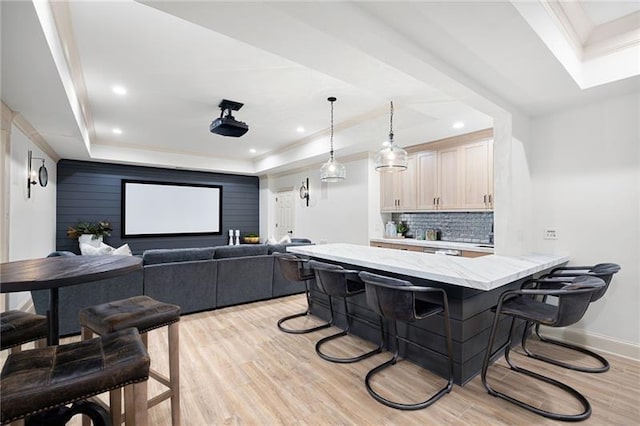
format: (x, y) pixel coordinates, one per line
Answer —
(226, 125)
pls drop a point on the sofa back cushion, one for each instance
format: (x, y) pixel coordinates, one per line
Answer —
(224, 252)
(282, 248)
(155, 256)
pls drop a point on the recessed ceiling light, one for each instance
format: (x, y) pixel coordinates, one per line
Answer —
(253, 151)
(458, 125)
(300, 129)
(116, 131)
(119, 90)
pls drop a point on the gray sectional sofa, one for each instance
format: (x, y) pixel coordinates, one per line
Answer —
(196, 279)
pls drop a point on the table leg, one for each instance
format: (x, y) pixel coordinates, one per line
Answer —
(53, 337)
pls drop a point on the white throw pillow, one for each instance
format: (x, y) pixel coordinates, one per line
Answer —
(272, 240)
(285, 240)
(123, 250)
(90, 250)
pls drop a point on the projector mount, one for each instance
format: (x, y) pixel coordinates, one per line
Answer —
(228, 106)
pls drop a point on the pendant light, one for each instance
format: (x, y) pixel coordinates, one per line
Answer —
(332, 171)
(391, 157)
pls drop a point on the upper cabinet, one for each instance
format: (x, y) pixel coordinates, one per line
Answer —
(398, 189)
(456, 174)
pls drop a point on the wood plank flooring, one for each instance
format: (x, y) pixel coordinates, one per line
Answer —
(237, 368)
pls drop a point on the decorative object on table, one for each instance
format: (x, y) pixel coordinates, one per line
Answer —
(90, 237)
(332, 171)
(251, 238)
(419, 234)
(43, 175)
(230, 237)
(401, 229)
(304, 191)
(237, 237)
(390, 229)
(391, 157)
(433, 234)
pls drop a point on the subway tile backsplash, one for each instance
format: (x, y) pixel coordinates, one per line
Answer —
(468, 227)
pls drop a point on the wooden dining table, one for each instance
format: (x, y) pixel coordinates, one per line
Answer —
(54, 272)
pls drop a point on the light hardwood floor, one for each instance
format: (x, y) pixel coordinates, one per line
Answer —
(238, 368)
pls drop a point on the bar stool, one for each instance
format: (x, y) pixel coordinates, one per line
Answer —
(573, 299)
(145, 314)
(335, 281)
(39, 383)
(293, 268)
(604, 271)
(396, 300)
(19, 327)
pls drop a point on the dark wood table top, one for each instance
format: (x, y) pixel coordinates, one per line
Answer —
(61, 271)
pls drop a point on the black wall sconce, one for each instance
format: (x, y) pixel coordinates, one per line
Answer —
(43, 175)
(304, 190)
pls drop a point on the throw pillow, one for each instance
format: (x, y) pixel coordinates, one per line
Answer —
(90, 250)
(123, 250)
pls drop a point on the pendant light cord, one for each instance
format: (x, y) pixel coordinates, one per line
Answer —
(391, 125)
(332, 100)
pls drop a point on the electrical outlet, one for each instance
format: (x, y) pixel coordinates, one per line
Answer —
(550, 234)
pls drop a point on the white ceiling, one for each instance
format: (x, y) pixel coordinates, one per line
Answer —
(438, 61)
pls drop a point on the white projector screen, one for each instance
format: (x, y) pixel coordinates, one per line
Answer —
(162, 208)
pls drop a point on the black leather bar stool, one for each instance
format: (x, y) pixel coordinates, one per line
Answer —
(294, 269)
(335, 281)
(573, 299)
(19, 327)
(38, 383)
(145, 314)
(604, 271)
(396, 300)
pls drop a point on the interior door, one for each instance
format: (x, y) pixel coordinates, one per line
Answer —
(284, 213)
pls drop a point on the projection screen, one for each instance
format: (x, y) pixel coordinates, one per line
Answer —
(152, 208)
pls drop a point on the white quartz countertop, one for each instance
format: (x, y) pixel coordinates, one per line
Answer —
(481, 273)
(484, 248)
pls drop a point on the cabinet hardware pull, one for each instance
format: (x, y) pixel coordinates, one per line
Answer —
(490, 199)
(434, 201)
(485, 198)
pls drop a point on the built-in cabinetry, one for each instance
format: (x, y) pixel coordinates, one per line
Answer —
(398, 189)
(452, 174)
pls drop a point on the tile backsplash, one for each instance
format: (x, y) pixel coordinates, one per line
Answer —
(468, 227)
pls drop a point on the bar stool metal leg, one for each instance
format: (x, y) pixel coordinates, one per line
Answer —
(304, 314)
(345, 332)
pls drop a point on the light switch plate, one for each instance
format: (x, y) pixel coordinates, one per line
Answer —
(550, 234)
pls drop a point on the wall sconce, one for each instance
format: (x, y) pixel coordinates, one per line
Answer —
(304, 191)
(43, 175)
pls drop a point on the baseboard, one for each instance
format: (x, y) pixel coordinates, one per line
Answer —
(595, 342)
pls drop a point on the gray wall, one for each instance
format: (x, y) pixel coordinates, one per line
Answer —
(90, 192)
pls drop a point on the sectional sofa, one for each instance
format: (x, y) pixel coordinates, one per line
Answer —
(196, 279)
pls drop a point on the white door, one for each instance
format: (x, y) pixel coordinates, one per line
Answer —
(284, 214)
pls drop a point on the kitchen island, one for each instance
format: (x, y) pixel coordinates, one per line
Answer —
(473, 286)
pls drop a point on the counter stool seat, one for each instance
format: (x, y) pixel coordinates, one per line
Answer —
(42, 379)
(19, 327)
(145, 314)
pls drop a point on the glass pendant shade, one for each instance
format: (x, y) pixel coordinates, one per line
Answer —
(332, 171)
(391, 157)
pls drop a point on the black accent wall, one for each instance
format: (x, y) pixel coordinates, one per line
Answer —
(91, 192)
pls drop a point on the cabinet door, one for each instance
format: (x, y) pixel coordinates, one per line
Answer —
(406, 186)
(427, 181)
(450, 182)
(388, 191)
(475, 175)
(490, 174)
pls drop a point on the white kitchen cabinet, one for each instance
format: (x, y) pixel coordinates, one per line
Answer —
(398, 189)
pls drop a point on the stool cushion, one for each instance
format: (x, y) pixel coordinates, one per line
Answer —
(18, 327)
(39, 379)
(141, 312)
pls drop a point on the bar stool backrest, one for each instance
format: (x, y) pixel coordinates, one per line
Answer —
(574, 299)
(292, 267)
(331, 279)
(604, 271)
(386, 296)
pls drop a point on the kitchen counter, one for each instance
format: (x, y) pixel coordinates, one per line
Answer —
(481, 273)
(473, 287)
(452, 245)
